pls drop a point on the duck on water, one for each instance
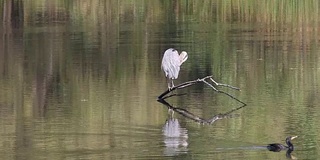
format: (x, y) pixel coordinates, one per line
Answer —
(277, 147)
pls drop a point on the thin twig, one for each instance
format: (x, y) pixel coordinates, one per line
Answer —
(215, 89)
(223, 91)
(224, 85)
(173, 95)
(231, 97)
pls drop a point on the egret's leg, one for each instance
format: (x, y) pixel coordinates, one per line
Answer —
(172, 85)
(168, 82)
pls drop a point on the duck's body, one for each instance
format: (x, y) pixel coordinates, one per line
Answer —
(277, 147)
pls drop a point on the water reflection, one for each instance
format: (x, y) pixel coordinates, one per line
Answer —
(288, 154)
(196, 118)
(175, 137)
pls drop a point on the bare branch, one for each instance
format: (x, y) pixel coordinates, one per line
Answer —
(190, 83)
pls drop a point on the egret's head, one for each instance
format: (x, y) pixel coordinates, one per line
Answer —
(183, 56)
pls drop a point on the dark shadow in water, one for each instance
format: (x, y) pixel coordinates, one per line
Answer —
(198, 119)
(288, 154)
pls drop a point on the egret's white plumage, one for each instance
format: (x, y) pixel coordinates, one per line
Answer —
(171, 63)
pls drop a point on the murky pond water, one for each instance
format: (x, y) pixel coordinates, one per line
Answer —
(80, 80)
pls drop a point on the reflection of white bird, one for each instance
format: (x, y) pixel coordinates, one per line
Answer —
(171, 63)
(175, 137)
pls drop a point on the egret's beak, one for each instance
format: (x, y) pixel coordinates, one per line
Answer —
(293, 137)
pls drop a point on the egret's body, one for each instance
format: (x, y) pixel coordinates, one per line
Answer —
(171, 63)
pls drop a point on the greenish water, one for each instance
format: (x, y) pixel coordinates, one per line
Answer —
(79, 80)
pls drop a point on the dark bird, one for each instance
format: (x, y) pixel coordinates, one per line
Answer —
(277, 147)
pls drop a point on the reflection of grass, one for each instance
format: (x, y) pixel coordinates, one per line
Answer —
(283, 11)
(265, 11)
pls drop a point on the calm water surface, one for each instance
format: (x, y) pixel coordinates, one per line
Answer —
(76, 87)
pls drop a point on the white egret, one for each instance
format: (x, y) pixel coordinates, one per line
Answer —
(171, 63)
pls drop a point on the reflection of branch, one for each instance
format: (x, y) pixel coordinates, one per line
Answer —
(190, 83)
(190, 115)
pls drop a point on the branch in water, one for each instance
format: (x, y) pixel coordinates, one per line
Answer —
(190, 83)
